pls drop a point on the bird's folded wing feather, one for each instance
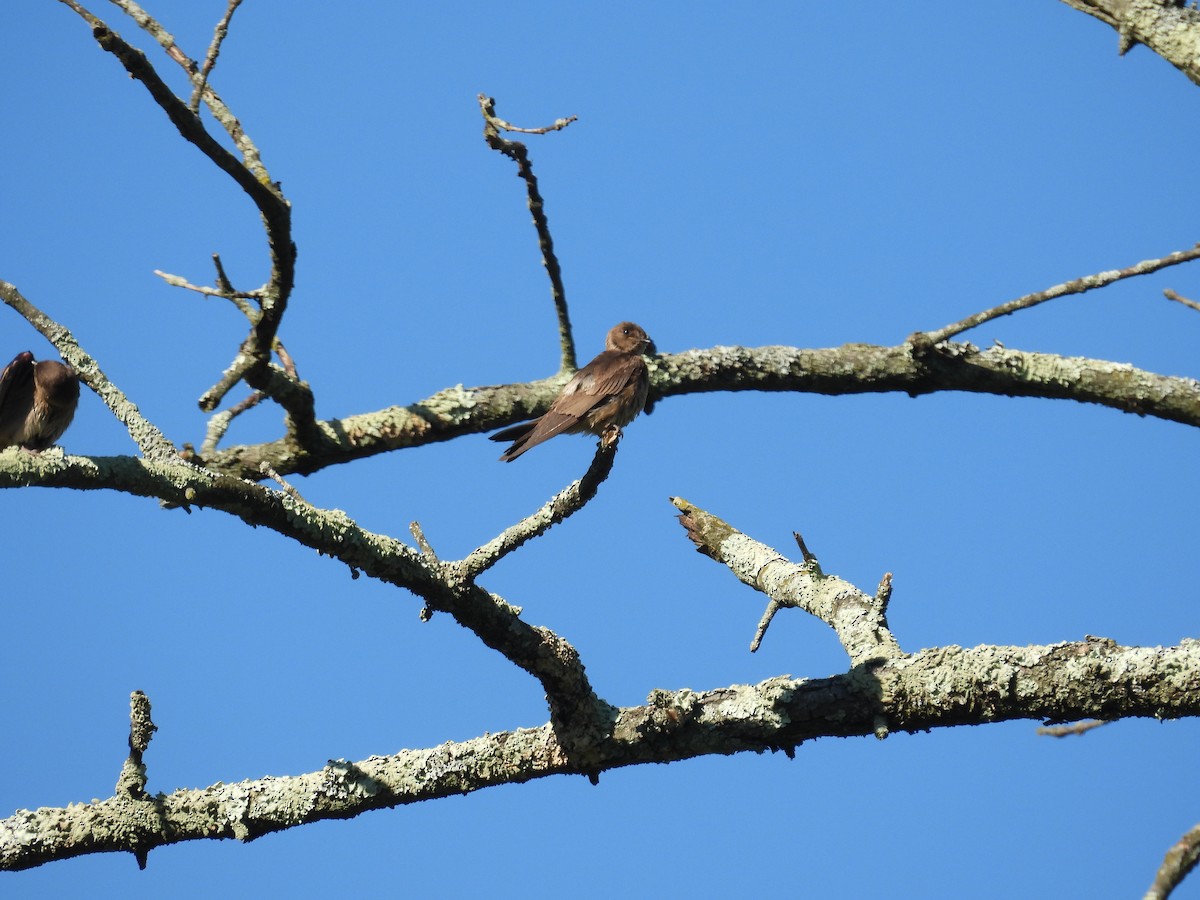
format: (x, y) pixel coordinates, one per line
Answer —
(12, 374)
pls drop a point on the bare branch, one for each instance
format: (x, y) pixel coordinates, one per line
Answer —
(210, 58)
(238, 298)
(274, 476)
(1179, 861)
(851, 369)
(936, 688)
(248, 173)
(1077, 286)
(1191, 304)
(518, 153)
(1170, 29)
(1074, 728)
(216, 106)
(561, 506)
(859, 620)
(574, 706)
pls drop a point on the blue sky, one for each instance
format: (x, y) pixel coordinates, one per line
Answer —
(807, 175)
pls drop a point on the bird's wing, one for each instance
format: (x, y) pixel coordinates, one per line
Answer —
(19, 370)
(16, 394)
(593, 385)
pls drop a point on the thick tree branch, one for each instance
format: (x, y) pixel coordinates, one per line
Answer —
(540, 652)
(1170, 29)
(850, 369)
(932, 689)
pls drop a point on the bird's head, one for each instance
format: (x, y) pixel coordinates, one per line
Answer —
(629, 338)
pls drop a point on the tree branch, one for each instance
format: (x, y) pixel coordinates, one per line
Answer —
(859, 620)
(249, 174)
(561, 506)
(518, 153)
(1170, 29)
(1077, 286)
(850, 369)
(543, 654)
(1179, 861)
(936, 688)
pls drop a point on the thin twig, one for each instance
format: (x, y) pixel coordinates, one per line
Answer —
(419, 536)
(518, 153)
(1078, 286)
(561, 506)
(237, 298)
(1171, 295)
(220, 422)
(210, 59)
(764, 623)
(265, 468)
(250, 155)
(1074, 728)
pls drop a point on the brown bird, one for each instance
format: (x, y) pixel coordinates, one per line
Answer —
(37, 402)
(607, 393)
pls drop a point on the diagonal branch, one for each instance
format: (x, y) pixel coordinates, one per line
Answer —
(543, 654)
(210, 58)
(558, 508)
(858, 619)
(1179, 861)
(1077, 286)
(1170, 28)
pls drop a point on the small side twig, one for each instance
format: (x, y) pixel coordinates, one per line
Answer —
(804, 552)
(237, 298)
(1077, 286)
(1074, 728)
(1171, 295)
(518, 153)
(418, 534)
(773, 606)
(132, 780)
(210, 58)
(265, 468)
(561, 506)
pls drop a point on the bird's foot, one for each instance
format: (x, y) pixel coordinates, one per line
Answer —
(609, 436)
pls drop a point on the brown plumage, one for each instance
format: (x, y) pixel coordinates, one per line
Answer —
(37, 402)
(607, 393)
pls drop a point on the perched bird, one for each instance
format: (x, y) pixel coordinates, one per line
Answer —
(37, 402)
(607, 393)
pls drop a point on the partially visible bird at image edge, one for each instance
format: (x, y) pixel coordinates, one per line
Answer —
(607, 393)
(37, 401)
